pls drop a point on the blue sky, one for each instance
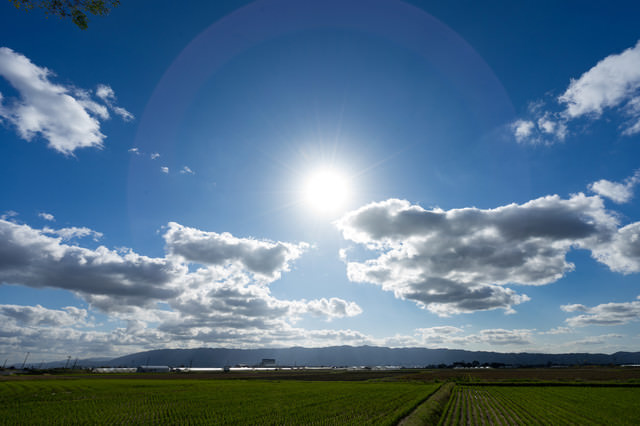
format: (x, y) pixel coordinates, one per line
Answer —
(475, 169)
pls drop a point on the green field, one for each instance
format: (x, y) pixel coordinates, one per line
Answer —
(527, 396)
(583, 405)
(176, 401)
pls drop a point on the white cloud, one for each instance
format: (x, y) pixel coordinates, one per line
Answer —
(8, 214)
(214, 288)
(155, 156)
(621, 250)
(70, 233)
(452, 337)
(123, 113)
(47, 216)
(39, 316)
(187, 171)
(523, 129)
(164, 170)
(461, 260)
(613, 83)
(615, 191)
(266, 259)
(604, 314)
(135, 151)
(108, 96)
(501, 336)
(66, 117)
(595, 340)
(31, 258)
(105, 93)
(557, 330)
(439, 335)
(332, 308)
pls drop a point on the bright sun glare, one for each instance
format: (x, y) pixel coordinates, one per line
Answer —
(326, 190)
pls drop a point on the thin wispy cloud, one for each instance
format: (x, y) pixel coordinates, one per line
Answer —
(73, 232)
(67, 117)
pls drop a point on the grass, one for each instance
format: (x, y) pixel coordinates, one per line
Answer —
(430, 411)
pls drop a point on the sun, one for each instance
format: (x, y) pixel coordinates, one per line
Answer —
(326, 190)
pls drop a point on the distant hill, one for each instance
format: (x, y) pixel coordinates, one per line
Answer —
(359, 356)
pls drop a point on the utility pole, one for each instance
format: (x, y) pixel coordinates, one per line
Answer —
(5, 363)
(74, 364)
(67, 364)
(25, 360)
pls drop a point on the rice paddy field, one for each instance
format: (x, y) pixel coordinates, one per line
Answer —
(146, 401)
(527, 396)
(552, 405)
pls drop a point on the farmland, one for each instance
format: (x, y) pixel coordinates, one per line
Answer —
(543, 405)
(207, 401)
(583, 395)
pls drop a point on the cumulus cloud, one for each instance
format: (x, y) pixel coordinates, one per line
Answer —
(67, 117)
(332, 308)
(40, 316)
(154, 156)
(264, 258)
(47, 216)
(164, 170)
(621, 252)
(135, 151)
(187, 171)
(612, 84)
(214, 288)
(541, 128)
(604, 314)
(618, 192)
(439, 335)
(461, 260)
(30, 257)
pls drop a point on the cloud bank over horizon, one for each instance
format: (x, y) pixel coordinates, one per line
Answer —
(215, 286)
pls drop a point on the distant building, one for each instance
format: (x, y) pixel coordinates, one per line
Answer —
(115, 370)
(268, 362)
(154, 369)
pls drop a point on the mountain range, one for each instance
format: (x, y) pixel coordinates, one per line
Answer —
(368, 356)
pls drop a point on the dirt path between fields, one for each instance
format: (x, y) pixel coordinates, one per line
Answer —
(431, 409)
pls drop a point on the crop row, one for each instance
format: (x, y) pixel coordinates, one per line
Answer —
(207, 402)
(542, 405)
